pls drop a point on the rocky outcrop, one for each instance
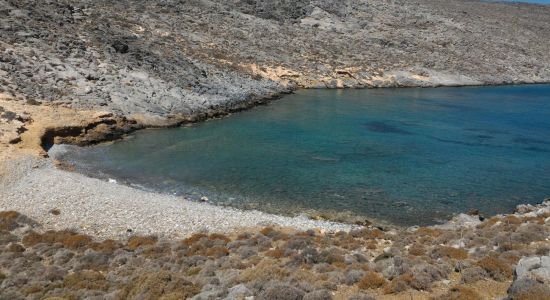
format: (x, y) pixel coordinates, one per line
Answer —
(531, 279)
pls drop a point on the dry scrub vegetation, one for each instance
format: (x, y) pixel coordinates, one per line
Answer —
(271, 263)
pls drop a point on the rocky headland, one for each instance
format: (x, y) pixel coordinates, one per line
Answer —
(83, 72)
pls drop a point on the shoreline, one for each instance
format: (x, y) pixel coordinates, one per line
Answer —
(107, 210)
(33, 143)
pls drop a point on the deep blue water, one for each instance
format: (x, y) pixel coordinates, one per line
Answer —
(406, 156)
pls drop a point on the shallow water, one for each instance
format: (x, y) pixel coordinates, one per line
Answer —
(406, 156)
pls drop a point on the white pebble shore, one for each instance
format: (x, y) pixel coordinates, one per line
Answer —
(107, 210)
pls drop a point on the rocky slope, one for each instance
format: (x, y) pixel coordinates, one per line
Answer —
(161, 62)
(505, 256)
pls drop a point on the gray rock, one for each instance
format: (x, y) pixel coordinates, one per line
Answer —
(531, 278)
(207, 295)
(537, 268)
(460, 221)
(527, 288)
(238, 292)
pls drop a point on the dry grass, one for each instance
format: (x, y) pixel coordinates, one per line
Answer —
(193, 239)
(8, 215)
(194, 271)
(266, 270)
(460, 293)
(217, 236)
(7, 220)
(69, 239)
(275, 253)
(77, 241)
(348, 242)
(395, 286)
(371, 280)
(87, 279)
(217, 252)
(417, 250)
(427, 231)
(159, 285)
(14, 247)
(511, 220)
(450, 252)
(106, 246)
(498, 269)
(339, 264)
(32, 238)
(375, 234)
(372, 244)
(135, 242)
(267, 231)
(35, 288)
(399, 284)
(489, 222)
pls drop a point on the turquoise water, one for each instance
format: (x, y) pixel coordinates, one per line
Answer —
(406, 156)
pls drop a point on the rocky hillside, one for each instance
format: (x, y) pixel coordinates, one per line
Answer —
(179, 59)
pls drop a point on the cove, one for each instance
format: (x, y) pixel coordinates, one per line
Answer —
(403, 156)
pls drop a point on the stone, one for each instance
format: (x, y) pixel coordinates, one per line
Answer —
(531, 278)
(537, 268)
(238, 292)
(461, 221)
(120, 47)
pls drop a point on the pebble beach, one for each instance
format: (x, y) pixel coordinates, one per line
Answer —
(110, 210)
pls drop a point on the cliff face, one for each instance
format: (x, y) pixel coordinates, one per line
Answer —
(176, 59)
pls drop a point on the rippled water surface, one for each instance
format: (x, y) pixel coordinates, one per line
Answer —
(406, 156)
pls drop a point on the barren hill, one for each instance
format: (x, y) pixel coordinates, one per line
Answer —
(178, 58)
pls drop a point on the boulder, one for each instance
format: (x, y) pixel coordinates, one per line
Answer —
(239, 291)
(531, 279)
(120, 47)
(460, 221)
(537, 268)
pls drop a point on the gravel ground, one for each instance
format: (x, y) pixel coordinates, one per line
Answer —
(108, 210)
